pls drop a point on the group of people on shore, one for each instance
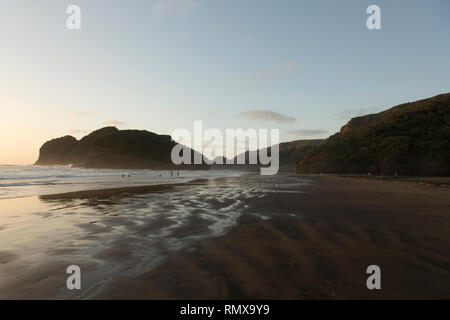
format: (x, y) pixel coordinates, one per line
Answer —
(160, 175)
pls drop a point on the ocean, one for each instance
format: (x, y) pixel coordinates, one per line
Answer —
(113, 234)
(107, 234)
(25, 181)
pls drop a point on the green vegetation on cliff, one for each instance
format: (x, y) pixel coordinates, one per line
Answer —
(289, 154)
(409, 139)
(111, 148)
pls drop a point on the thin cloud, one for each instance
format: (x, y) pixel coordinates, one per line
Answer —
(184, 35)
(79, 114)
(307, 132)
(292, 66)
(212, 114)
(78, 131)
(351, 113)
(115, 123)
(289, 68)
(251, 37)
(162, 7)
(267, 115)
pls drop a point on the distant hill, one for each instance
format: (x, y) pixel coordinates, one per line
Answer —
(289, 154)
(292, 152)
(409, 139)
(112, 148)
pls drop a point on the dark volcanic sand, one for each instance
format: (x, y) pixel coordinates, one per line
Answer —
(316, 244)
(252, 237)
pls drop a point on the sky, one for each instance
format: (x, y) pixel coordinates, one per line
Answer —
(304, 67)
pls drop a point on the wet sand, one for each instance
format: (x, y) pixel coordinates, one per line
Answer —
(108, 233)
(249, 237)
(316, 245)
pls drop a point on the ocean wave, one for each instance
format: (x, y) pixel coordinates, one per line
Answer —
(23, 181)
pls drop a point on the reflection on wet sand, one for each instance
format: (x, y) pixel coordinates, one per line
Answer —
(247, 237)
(108, 233)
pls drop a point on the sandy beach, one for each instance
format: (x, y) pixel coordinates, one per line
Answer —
(250, 237)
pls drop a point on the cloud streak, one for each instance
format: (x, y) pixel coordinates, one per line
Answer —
(351, 113)
(79, 114)
(307, 132)
(284, 70)
(115, 123)
(212, 114)
(78, 131)
(184, 35)
(267, 115)
(290, 67)
(162, 7)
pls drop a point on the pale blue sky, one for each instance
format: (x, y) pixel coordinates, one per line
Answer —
(160, 65)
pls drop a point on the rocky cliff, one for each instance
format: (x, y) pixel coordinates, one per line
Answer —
(409, 139)
(112, 148)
